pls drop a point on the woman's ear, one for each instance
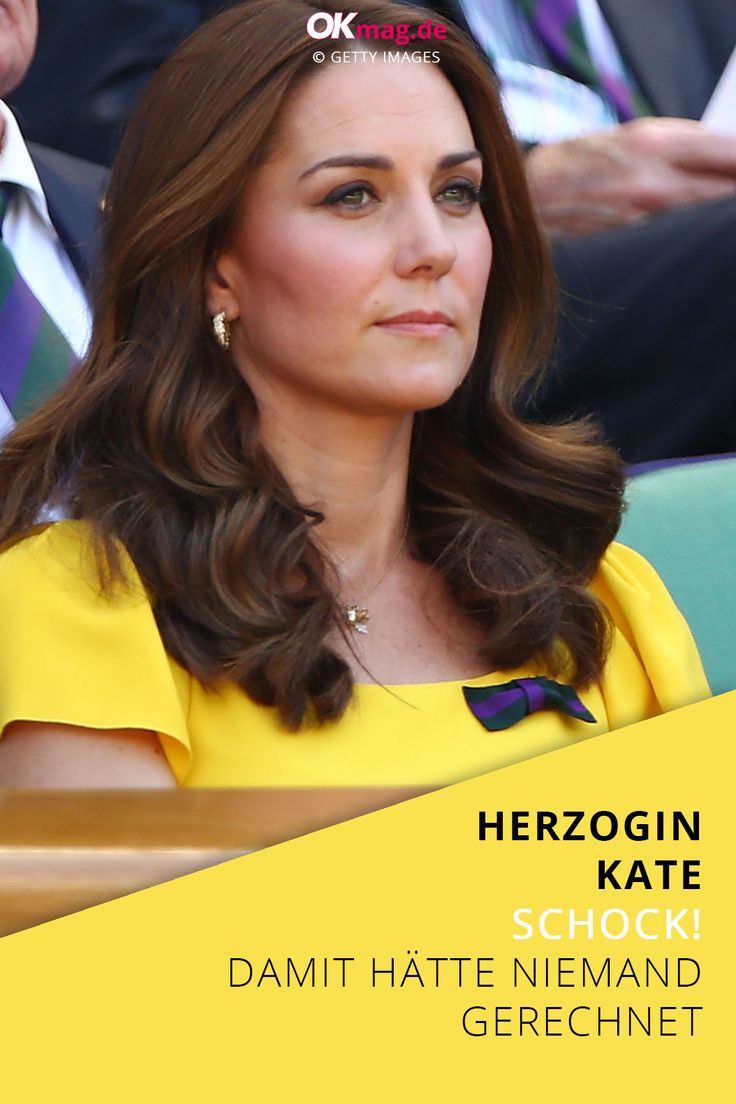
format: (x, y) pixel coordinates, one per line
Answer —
(220, 287)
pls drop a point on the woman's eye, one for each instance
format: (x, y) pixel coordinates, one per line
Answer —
(353, 197)
(462, 194)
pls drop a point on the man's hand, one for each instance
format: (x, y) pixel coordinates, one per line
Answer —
(619, 176)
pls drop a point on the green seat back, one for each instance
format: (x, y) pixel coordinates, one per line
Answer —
(683, 519)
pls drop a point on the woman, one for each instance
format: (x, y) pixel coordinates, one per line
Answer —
(295, 424)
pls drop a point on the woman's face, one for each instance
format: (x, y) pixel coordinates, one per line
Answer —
(357, 271)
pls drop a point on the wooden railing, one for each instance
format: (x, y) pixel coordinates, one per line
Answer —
(64, 850)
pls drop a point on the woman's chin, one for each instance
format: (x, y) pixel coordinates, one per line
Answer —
(428, 387)
(404, 401)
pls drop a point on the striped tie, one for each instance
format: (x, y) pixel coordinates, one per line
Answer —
(560, 28)
(34, 355)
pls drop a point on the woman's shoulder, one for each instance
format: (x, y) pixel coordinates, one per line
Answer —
(633, 591)
(66, 557)
(650, 634)
(636, 598)
(83, 650)
(627, 574)
(57, 592)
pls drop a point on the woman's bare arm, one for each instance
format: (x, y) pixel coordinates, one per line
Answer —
(38, 756)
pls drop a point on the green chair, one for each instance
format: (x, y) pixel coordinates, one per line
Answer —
(683, 519)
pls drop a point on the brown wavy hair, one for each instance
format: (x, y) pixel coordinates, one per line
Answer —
(154, 440)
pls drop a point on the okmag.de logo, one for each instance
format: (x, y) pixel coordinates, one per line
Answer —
(336, 24)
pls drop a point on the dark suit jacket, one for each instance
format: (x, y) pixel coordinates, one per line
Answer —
(73, 191)
(94, 59)
(677, 49)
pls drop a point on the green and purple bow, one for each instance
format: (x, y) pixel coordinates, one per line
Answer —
(499, 707)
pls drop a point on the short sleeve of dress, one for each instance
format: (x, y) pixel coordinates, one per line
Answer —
(71, 655)
(654, 665)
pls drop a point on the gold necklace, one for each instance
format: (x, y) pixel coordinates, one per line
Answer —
(358, 616)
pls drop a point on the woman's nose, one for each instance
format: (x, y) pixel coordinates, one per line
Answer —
(425, 246)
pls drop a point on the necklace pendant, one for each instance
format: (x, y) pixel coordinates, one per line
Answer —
(357, 616)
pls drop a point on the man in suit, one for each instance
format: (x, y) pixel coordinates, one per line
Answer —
(48, 210)
(642, 214)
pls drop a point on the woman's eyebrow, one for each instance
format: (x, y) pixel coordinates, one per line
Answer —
(373, 161)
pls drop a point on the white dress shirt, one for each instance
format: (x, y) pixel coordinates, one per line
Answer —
(37, 251)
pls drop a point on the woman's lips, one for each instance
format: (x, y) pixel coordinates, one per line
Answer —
(419, 323)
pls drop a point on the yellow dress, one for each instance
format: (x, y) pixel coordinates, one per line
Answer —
(71, 657)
